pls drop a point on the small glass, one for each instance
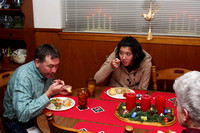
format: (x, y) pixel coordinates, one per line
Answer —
(82, 98)
(91, 86)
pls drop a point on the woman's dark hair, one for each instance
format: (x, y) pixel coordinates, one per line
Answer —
(138, 54)
(44, 50)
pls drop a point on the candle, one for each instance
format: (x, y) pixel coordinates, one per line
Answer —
(88, 22)
(145, 102)
(92, 20)
(99, 19)
(189, 22)
(176, 22)
(104, 21)
(170, 23)
(195, 25)
(183, 21)
(110, 23)
(160, 104)
(130, 101)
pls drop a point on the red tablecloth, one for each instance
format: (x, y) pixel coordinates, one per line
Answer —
(106, 97)
(96, 128)
(106, 116)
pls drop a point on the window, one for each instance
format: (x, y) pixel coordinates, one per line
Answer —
(175, 17)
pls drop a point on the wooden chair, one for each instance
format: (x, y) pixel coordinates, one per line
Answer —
(55, 128)
(4, 78)
(166, 74)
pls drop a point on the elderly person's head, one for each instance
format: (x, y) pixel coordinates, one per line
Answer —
(187, 89)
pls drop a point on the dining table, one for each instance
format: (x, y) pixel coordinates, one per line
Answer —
(104, 121)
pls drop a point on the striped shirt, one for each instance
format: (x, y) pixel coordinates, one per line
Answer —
(25, 96)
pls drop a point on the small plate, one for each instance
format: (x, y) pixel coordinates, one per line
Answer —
(118, 96)
(63, 107)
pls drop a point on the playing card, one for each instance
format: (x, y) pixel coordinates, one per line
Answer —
(81, 109)
(83, 129)
(97, 109)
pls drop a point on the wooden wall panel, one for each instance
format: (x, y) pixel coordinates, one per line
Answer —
(157, 53)
(183, 56)
(82, 54)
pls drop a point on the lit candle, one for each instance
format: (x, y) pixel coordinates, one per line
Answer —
(104, 21)
(189, 22)
(183, 21)
(99, 13)
(160, 104)
(88, 22)
(92, 20)
(145, 102)
(110, 23)
(130, 101)
(176, 24)
(170, 24)
(195, 25)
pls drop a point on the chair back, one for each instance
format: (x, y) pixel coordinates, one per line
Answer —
(55, 128)
(4, 78)
(166, 74)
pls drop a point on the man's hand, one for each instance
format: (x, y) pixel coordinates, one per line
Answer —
(55, 88)
(115, 63)
(66, 90)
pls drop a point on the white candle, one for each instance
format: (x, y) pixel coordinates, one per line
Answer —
(170, 24)
(88, 22)
(183, 21)
(110, 23)
(176, 24)
(189, 22)
(195, 25)
(104, 21)
(92, 20)
(99, 14)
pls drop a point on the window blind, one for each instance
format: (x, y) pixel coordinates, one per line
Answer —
(175, 17)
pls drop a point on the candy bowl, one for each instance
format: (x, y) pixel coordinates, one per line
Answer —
(19, 56)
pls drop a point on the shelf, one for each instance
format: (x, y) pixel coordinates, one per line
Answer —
(7, 10)
(6, 66)
(12, 34)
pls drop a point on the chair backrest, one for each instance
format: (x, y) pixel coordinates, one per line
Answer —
(166, 74)
(4, 78)
(55, 128)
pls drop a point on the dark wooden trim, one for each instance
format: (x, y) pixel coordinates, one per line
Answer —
(169, 40)
(47, 30)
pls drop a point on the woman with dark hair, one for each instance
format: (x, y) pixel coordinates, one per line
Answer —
(129, 66)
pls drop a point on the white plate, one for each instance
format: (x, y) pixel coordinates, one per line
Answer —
(63, 107)
(118, 96)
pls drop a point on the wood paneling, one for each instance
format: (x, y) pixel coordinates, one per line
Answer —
(82, 54)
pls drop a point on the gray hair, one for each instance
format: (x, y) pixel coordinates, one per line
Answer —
(187, 89)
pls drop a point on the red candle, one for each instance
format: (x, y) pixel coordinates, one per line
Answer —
(160, 104)
(130, 101)
(145, 102)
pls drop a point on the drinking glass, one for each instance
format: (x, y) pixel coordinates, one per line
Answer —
(82, 98)
(91, 86)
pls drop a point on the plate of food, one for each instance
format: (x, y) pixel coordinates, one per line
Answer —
(118, 92)
(60, 103)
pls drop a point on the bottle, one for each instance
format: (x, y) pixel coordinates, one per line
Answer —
(128, 129)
